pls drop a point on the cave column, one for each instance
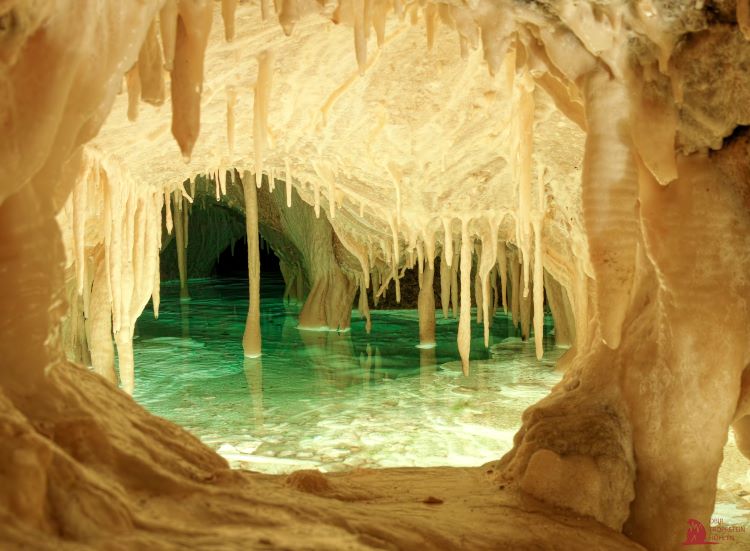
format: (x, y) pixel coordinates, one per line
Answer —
(251, 343)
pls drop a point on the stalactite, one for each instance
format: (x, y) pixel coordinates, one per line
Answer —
(133, 81)
(150, 68)
(502, 268)
(168, 211)
(431, 23)
(609, 194)
(525, 144)
(426, 306)
(228, 7)
(464, 321)
(364, 307)
(526, 304)
(231, 104)
(484, 269)
(99, 321)
(445, 284)
(448, 241)
(179, 231)
(288, 15)
(538, 296)
(479, 298)
(360, 39)
(515, 288)
(537, 219)
(288, 181)
(454, 285)
(260, 111)
(493, 288)
(193, 29)
(251, 342)
(380, 11)
(168, 27)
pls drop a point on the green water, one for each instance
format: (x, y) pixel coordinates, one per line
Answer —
(332, 400)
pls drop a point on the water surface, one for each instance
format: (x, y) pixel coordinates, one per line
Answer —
(332, 400)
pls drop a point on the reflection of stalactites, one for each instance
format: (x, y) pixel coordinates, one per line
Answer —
(254, 376)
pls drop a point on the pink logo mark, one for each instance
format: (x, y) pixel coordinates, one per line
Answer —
(696, 534)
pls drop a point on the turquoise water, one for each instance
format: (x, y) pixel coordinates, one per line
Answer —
(332, 400)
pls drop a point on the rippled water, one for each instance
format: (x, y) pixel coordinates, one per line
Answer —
(332, 400)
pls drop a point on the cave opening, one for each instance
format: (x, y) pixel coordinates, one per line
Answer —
(231, 263)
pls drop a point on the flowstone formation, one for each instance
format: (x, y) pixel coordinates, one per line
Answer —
(595, 153)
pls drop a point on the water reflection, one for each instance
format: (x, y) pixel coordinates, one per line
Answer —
(327, 399)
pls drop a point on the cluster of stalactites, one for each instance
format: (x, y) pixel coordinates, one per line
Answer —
(575, 63)
(114, 243)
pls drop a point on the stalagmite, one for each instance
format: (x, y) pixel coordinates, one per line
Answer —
(251, 343)
(262, 97)
(193, 29)
(151, 67)
(464, 321)
(228, 7)
(426, 306)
